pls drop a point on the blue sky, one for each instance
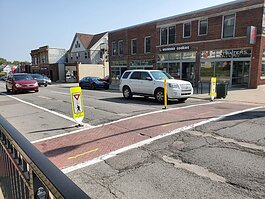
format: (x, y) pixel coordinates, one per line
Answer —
(29, 24)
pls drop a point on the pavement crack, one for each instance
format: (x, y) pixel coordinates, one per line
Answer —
(142, 134)
(195, 169)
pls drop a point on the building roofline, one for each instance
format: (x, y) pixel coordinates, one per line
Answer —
(181, 15)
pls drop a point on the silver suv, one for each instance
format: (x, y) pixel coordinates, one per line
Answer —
(151, 83)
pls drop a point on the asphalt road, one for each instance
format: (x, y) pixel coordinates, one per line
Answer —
(220, 159)
(223, 159)
(101, 107)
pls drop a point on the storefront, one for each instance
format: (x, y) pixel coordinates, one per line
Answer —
(180, 65)
(232, 66)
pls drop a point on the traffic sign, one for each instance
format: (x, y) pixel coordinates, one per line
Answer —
(77, 104)
(213, 88)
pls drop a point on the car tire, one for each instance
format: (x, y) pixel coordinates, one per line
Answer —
(159, 95)
(14, 90)
(127, 93)
(36, 91)
(107, 88)
(45, 85)
(7, 90)
(182, 99)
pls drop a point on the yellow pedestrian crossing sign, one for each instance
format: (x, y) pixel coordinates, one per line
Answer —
(77, 104)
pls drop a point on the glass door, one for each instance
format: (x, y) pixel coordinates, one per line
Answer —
(240, 75)
(188, 71)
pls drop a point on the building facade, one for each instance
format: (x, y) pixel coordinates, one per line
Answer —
(49, 61)
(88, 54)
(224, 41)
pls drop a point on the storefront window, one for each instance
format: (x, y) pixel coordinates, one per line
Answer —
(189, 55)
(174, 56)
(174, 70)
(222, 71)
(208, 54)
(162, 57)
(206, 71)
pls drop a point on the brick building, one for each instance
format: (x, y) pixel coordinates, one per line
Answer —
(225, 41)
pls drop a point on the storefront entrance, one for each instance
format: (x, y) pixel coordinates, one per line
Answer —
(240, 74)
(188, 71)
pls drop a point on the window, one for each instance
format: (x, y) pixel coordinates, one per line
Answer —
(203, 27)
(171, 36)
(144, 76)
(114, 48)
(133, 46)
(147, 44)
(125, 75)
(77, 45)
(168, 35)
(85, 55)
(136, 75)
(263, 65)
(186, 30)
(228, 26)
(77, 55)
(120, 47)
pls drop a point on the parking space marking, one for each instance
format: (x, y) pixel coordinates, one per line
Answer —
(148, 141)
(82, 154)
(45, 109)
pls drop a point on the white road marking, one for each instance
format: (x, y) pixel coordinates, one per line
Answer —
(124, 119)
(148, 141)
(45, 109)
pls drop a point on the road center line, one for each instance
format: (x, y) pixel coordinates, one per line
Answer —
(148, 141)
(45, 109)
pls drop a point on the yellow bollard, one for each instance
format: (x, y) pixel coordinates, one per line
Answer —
(165, 93)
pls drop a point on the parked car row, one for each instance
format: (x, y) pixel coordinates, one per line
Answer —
(147, 83)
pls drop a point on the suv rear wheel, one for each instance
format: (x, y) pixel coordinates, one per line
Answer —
(159, 95)
(7, 90)
(127, 93)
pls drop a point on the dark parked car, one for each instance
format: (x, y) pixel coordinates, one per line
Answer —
(93, 83)
(19, 82)
(3, 78)
(40, 79)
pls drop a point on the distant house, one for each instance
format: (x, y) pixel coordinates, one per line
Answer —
(88, 55)
(49, 61)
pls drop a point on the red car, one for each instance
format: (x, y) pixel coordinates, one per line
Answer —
(19, 82)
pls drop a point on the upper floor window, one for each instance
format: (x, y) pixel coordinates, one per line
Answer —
(114, 48)
(120, 47)
(85, 55)
(228, 26)
(147, 44)
(77, 45)
(168, 35)
(203, 27)
(186, 30)
(133, 46)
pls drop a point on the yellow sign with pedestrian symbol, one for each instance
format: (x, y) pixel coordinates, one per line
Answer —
(213, 88)
(77, 104)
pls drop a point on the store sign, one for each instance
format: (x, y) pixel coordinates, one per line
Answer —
(236, 53)
(251, 34)
(175, 48)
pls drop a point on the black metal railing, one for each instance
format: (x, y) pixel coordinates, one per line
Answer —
(26, 173)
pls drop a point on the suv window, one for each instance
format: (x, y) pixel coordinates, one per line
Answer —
(144, 75)
(136, 75)
(125, 75)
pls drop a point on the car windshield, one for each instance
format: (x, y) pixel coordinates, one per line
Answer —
(158, 75)
(37, 76)
(96, 79)
(22, 77)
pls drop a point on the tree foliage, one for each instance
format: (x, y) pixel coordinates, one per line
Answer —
(2, 61)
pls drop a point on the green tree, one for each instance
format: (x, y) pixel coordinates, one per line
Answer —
(16, 62)
(2, 61)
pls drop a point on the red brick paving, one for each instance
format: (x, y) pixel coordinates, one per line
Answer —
(117, 135)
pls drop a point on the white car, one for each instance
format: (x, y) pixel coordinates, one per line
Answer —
(151, 83)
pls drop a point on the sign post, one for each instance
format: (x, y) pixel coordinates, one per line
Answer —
(165, 93)
(213, 88)
(77, 104)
